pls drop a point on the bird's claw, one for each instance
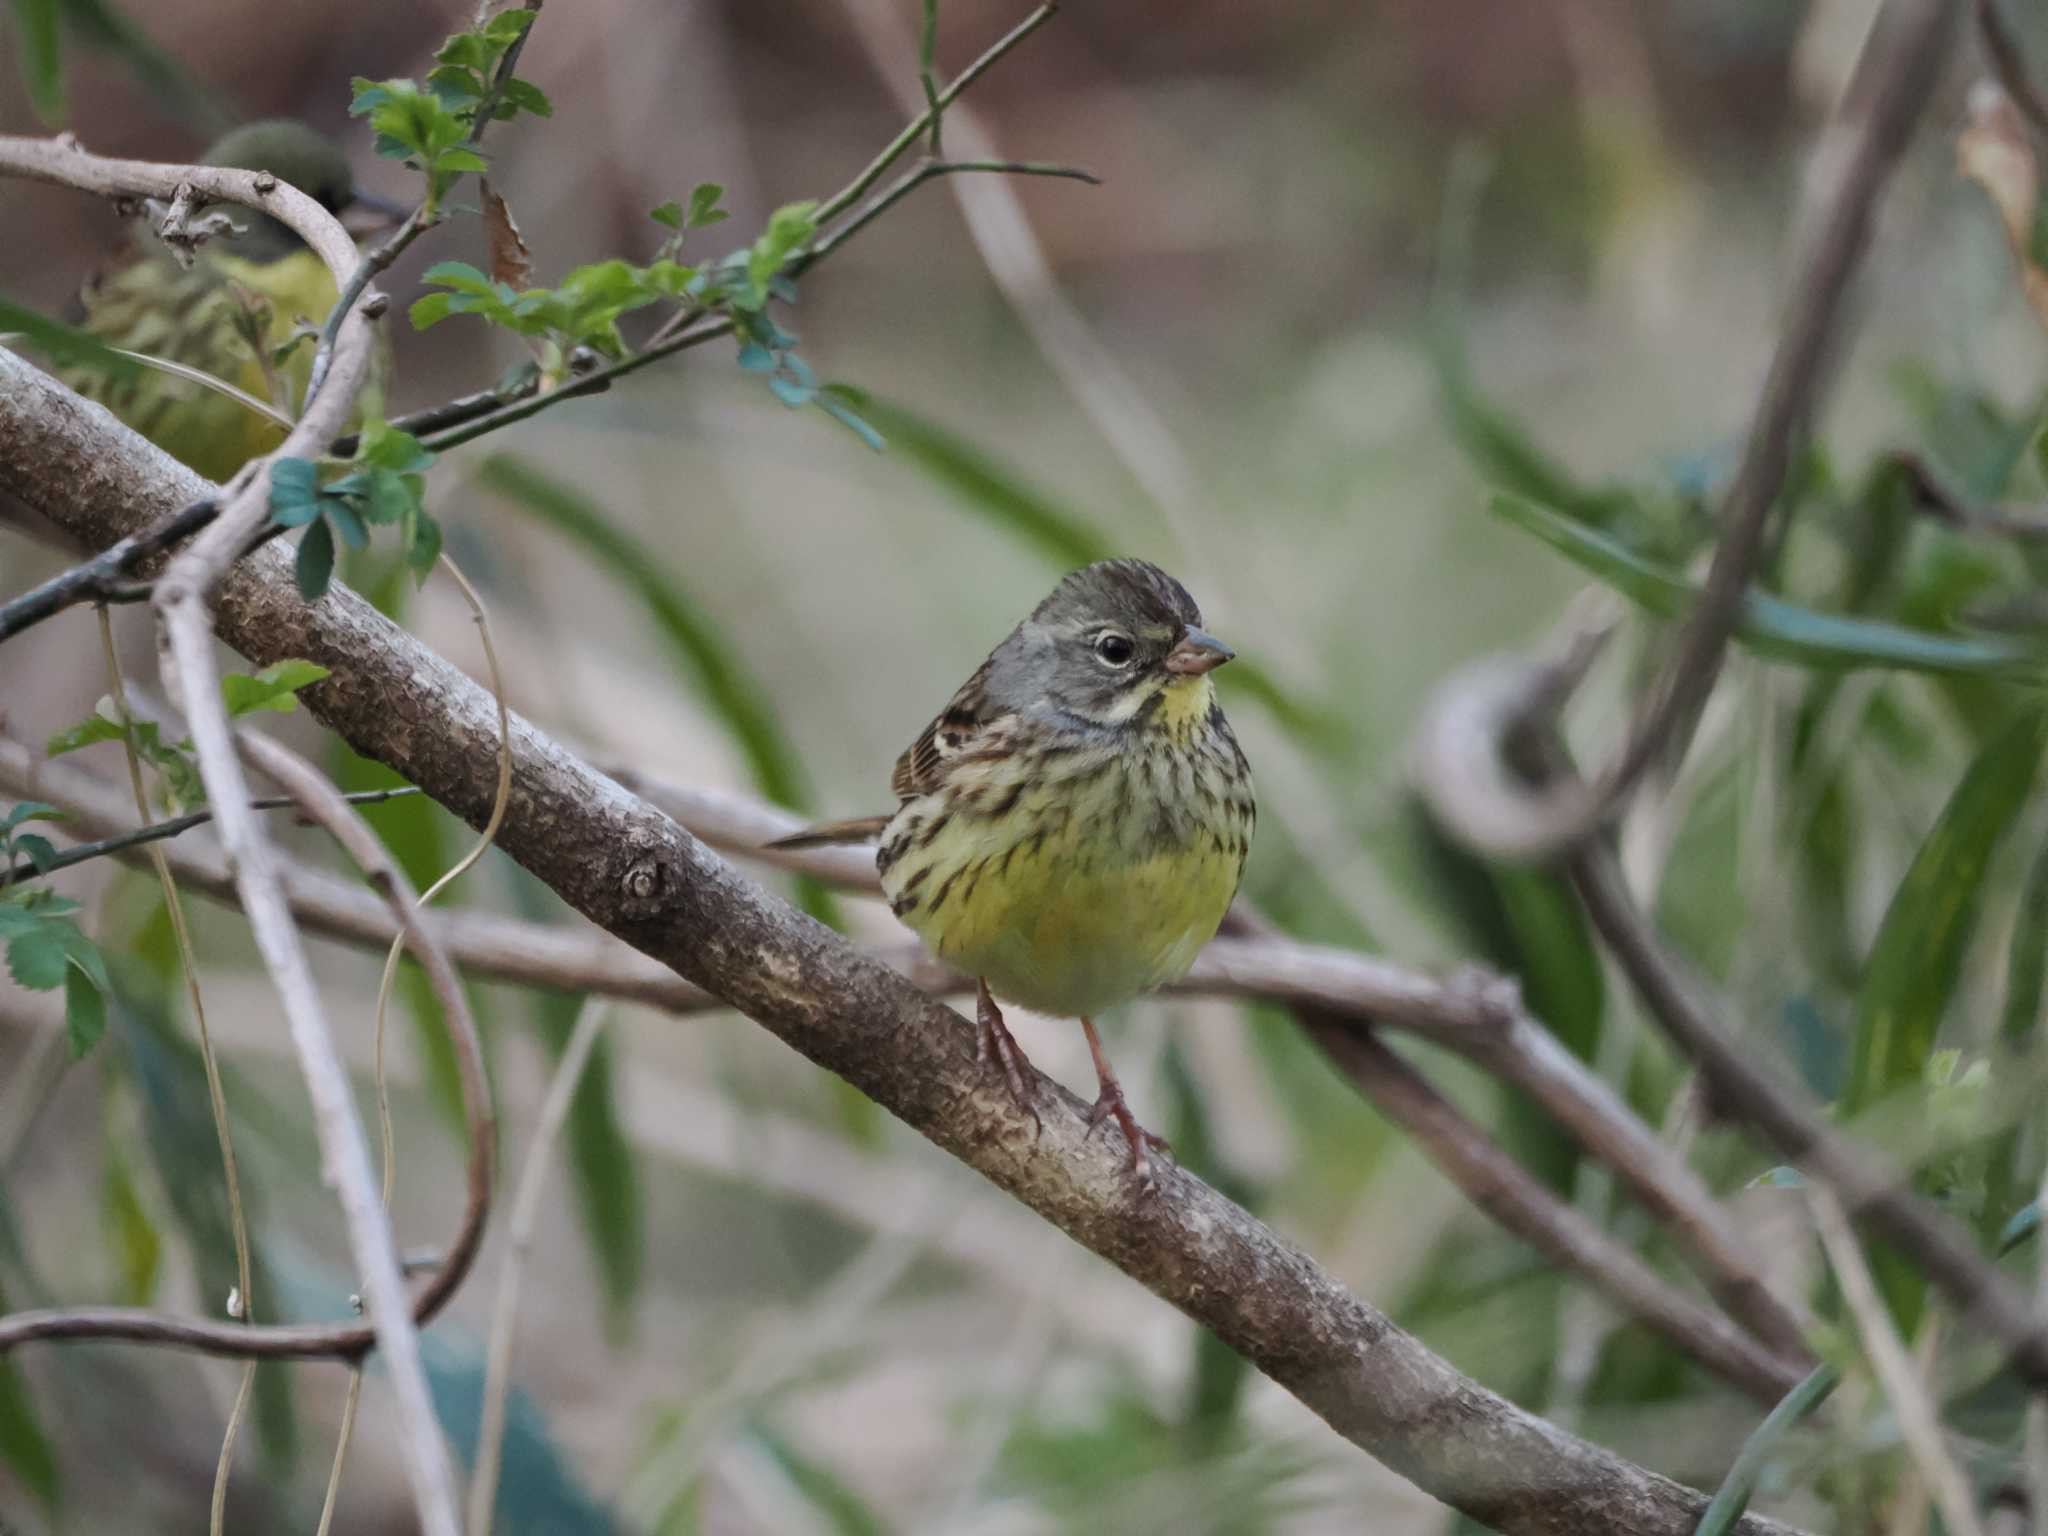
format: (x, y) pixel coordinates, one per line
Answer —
(995, 1043)
(1110, 1105)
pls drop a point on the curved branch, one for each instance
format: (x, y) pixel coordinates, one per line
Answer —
(636, 873)
(1900, 63)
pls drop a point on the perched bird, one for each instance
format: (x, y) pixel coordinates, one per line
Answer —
(1073, 825)
(244, 297)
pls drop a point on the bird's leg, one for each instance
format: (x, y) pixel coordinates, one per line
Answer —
(1110, 1102)
(998, 1044)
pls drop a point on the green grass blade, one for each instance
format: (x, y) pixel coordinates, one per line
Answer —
(1917, 956)
(1733, 1496)
(734, 695)
(25, 1447)
(65, 345)
(1768, 625)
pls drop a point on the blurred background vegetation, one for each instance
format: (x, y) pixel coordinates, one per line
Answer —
(1351, 265)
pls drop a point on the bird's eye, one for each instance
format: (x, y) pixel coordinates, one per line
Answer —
(1116, 650)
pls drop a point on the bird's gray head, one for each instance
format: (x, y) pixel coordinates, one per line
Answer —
(293, 153)
(1111, 643)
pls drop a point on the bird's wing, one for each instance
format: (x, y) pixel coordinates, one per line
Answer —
(960, 729)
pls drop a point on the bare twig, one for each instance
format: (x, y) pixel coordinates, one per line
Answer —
(1908, 45)
(242, 1305)
(1932, 494)
(554, 1111)
(2002, 50)
(104, 577)
(192, 674)
(1746, 1090)
(158, 830)
(690, 328)
(1912, 1404)
(640, 876)
(1501, 1187)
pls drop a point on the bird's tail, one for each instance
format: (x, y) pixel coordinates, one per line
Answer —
(861, 829)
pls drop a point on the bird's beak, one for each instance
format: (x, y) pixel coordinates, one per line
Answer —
(368, 214)
(1197, 652)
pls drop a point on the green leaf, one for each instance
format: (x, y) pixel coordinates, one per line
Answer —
(29, 810)
(1732, 1498)
(294, 492)
(131, 1234)
(85, 1012)
(36, 958)
(273, 688)
(42, 57)
(704, 208)
(989, 488)
(610, 1200)
(94, 728)
(384, 446)
(459, 275)
(1768, 625)
(833, 405)
(1917, 956)
(37, 849)
(789, 228)
(843, 1510)
(2026, 965)
(524, 96)
(65, 345)
(431, 310)
(669, 213)
(315, 564)
(422, 545)
(461, 159)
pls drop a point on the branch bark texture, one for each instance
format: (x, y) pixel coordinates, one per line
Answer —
(633, 871)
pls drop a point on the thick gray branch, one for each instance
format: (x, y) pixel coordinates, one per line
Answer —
(635, 872)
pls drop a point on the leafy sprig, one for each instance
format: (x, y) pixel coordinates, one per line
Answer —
(434, 127)
(45, 948)
(384, 486)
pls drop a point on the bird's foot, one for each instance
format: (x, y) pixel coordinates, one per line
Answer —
(1110, 1105)
(996, 1043)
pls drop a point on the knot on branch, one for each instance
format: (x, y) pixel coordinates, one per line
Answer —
(648, 878)
(184, 227)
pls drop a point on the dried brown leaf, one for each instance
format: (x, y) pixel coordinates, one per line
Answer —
(511, 261)
(1994, 151)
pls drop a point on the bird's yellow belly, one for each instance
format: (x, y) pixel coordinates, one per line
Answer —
(1058, 912)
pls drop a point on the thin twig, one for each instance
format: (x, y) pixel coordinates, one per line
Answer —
(386, 1136)
(2009, 63)
(416, 223)
(1501, 1187)
(686, 328)
(101, 578)
(157, 831)
(1745, 1090)
(193, 675)
(519, 1233)
(1912, 1404)
(1933, 494)
(242, 1305)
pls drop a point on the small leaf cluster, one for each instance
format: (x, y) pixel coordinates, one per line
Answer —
(384, 485)
(45, 948)
(432, 128)
(274, 688)
(172, 760)
(582, 311)
(701, 210)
